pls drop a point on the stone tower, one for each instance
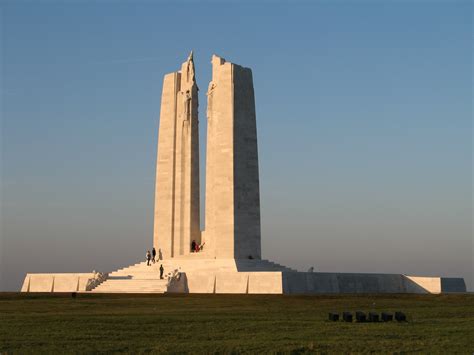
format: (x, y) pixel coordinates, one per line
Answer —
(232, 182)
(176, 217)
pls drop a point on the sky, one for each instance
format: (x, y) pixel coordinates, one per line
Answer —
(364, 119)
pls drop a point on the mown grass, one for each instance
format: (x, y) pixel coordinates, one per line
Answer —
(232, 324)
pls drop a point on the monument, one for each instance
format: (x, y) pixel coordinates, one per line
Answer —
(232, 184)
(227, 258)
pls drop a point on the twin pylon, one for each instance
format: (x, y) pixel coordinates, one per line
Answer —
(232, 216)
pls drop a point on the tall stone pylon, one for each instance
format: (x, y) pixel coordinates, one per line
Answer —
(176, 215)
(232, 182)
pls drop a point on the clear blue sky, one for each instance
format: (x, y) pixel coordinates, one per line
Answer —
(364, 115)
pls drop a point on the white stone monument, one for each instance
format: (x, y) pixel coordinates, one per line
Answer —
(230, 261)
(232, 183)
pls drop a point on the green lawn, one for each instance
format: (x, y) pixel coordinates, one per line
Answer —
(232, 323)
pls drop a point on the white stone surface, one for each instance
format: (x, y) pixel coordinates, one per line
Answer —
(430, 284)
(232, 282)
(239, 276)
(57, 282)
(232, 181)
(176, 216)
(201, 282)
(265, 282)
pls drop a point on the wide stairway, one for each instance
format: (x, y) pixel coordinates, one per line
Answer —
(138, 278)
(141, 278)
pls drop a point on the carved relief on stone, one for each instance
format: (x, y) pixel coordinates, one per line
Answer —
(190, 68)
(187, 106)
(209, 94)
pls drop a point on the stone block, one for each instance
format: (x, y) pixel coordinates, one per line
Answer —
(26, 284)
(265, 282)
(294, 282)
(418, 284)
(201, 282)
(66, 283)
(41, 282)
(232, 282)
(452, 284)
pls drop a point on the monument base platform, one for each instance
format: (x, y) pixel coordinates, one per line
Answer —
(194, 274)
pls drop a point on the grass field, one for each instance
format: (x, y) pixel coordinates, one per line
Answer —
(232, 323)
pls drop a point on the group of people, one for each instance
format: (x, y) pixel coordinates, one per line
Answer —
(195, 247)
(151, 258)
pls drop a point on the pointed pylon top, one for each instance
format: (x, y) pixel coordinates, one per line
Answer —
(190, 57)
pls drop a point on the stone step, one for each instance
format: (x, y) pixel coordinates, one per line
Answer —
(135, 276)
(243, 268)
(128, 291)
(135, 290)
(130, 285)
(151, 290)
(143, 278)
(131, 289)
(146, 283)
(134, 282)
(141, 270)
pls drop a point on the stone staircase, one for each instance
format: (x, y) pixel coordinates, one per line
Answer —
(132, 285)
(138, 278)
(261, 265)
(141, 278)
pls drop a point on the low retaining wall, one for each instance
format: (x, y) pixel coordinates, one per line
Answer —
(58, 282)
(264, 282)
(315, 283)
(234, 282)
(368, 283)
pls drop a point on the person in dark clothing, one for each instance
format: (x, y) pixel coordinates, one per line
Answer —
(161, 271)
(193, 246)
(153, 254)
(148, 257)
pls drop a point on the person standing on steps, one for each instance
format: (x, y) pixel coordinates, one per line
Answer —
(160, 255)
(161, 271)
(193, 246)
(153, 254)
(148, 257)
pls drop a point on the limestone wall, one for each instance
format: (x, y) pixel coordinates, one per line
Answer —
(56, 282)
(246, 178)
(219, 162)
(419, 284)
(176, 217)
(314, 283)
(452, 284)
(232, 180)
(304, 283)
(265, 282)
(201, 282)
(163, 231)
(234, 282)
(186, 214)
